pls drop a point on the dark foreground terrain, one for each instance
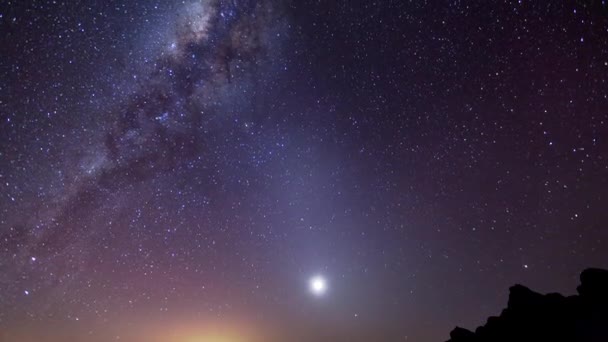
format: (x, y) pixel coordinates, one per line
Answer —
(531, 316)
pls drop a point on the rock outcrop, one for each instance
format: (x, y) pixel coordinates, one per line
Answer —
(531, 316)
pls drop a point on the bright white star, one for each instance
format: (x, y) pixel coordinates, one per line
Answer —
(318, 285)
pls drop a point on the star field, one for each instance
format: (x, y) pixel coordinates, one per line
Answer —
(266, 170)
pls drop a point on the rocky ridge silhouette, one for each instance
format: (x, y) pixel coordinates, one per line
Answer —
(531, 316)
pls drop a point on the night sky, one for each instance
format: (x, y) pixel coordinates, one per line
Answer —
(272, 171)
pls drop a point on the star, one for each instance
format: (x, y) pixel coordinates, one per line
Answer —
(318, 285)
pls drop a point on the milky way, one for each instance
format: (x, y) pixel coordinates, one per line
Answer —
(294, 170)
(170, 121)
(191, 101)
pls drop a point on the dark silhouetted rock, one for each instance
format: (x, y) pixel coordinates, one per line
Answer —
(594, 284)
(531, 316)
(460, 334)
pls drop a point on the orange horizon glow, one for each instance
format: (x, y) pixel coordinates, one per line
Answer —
(176, 330)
